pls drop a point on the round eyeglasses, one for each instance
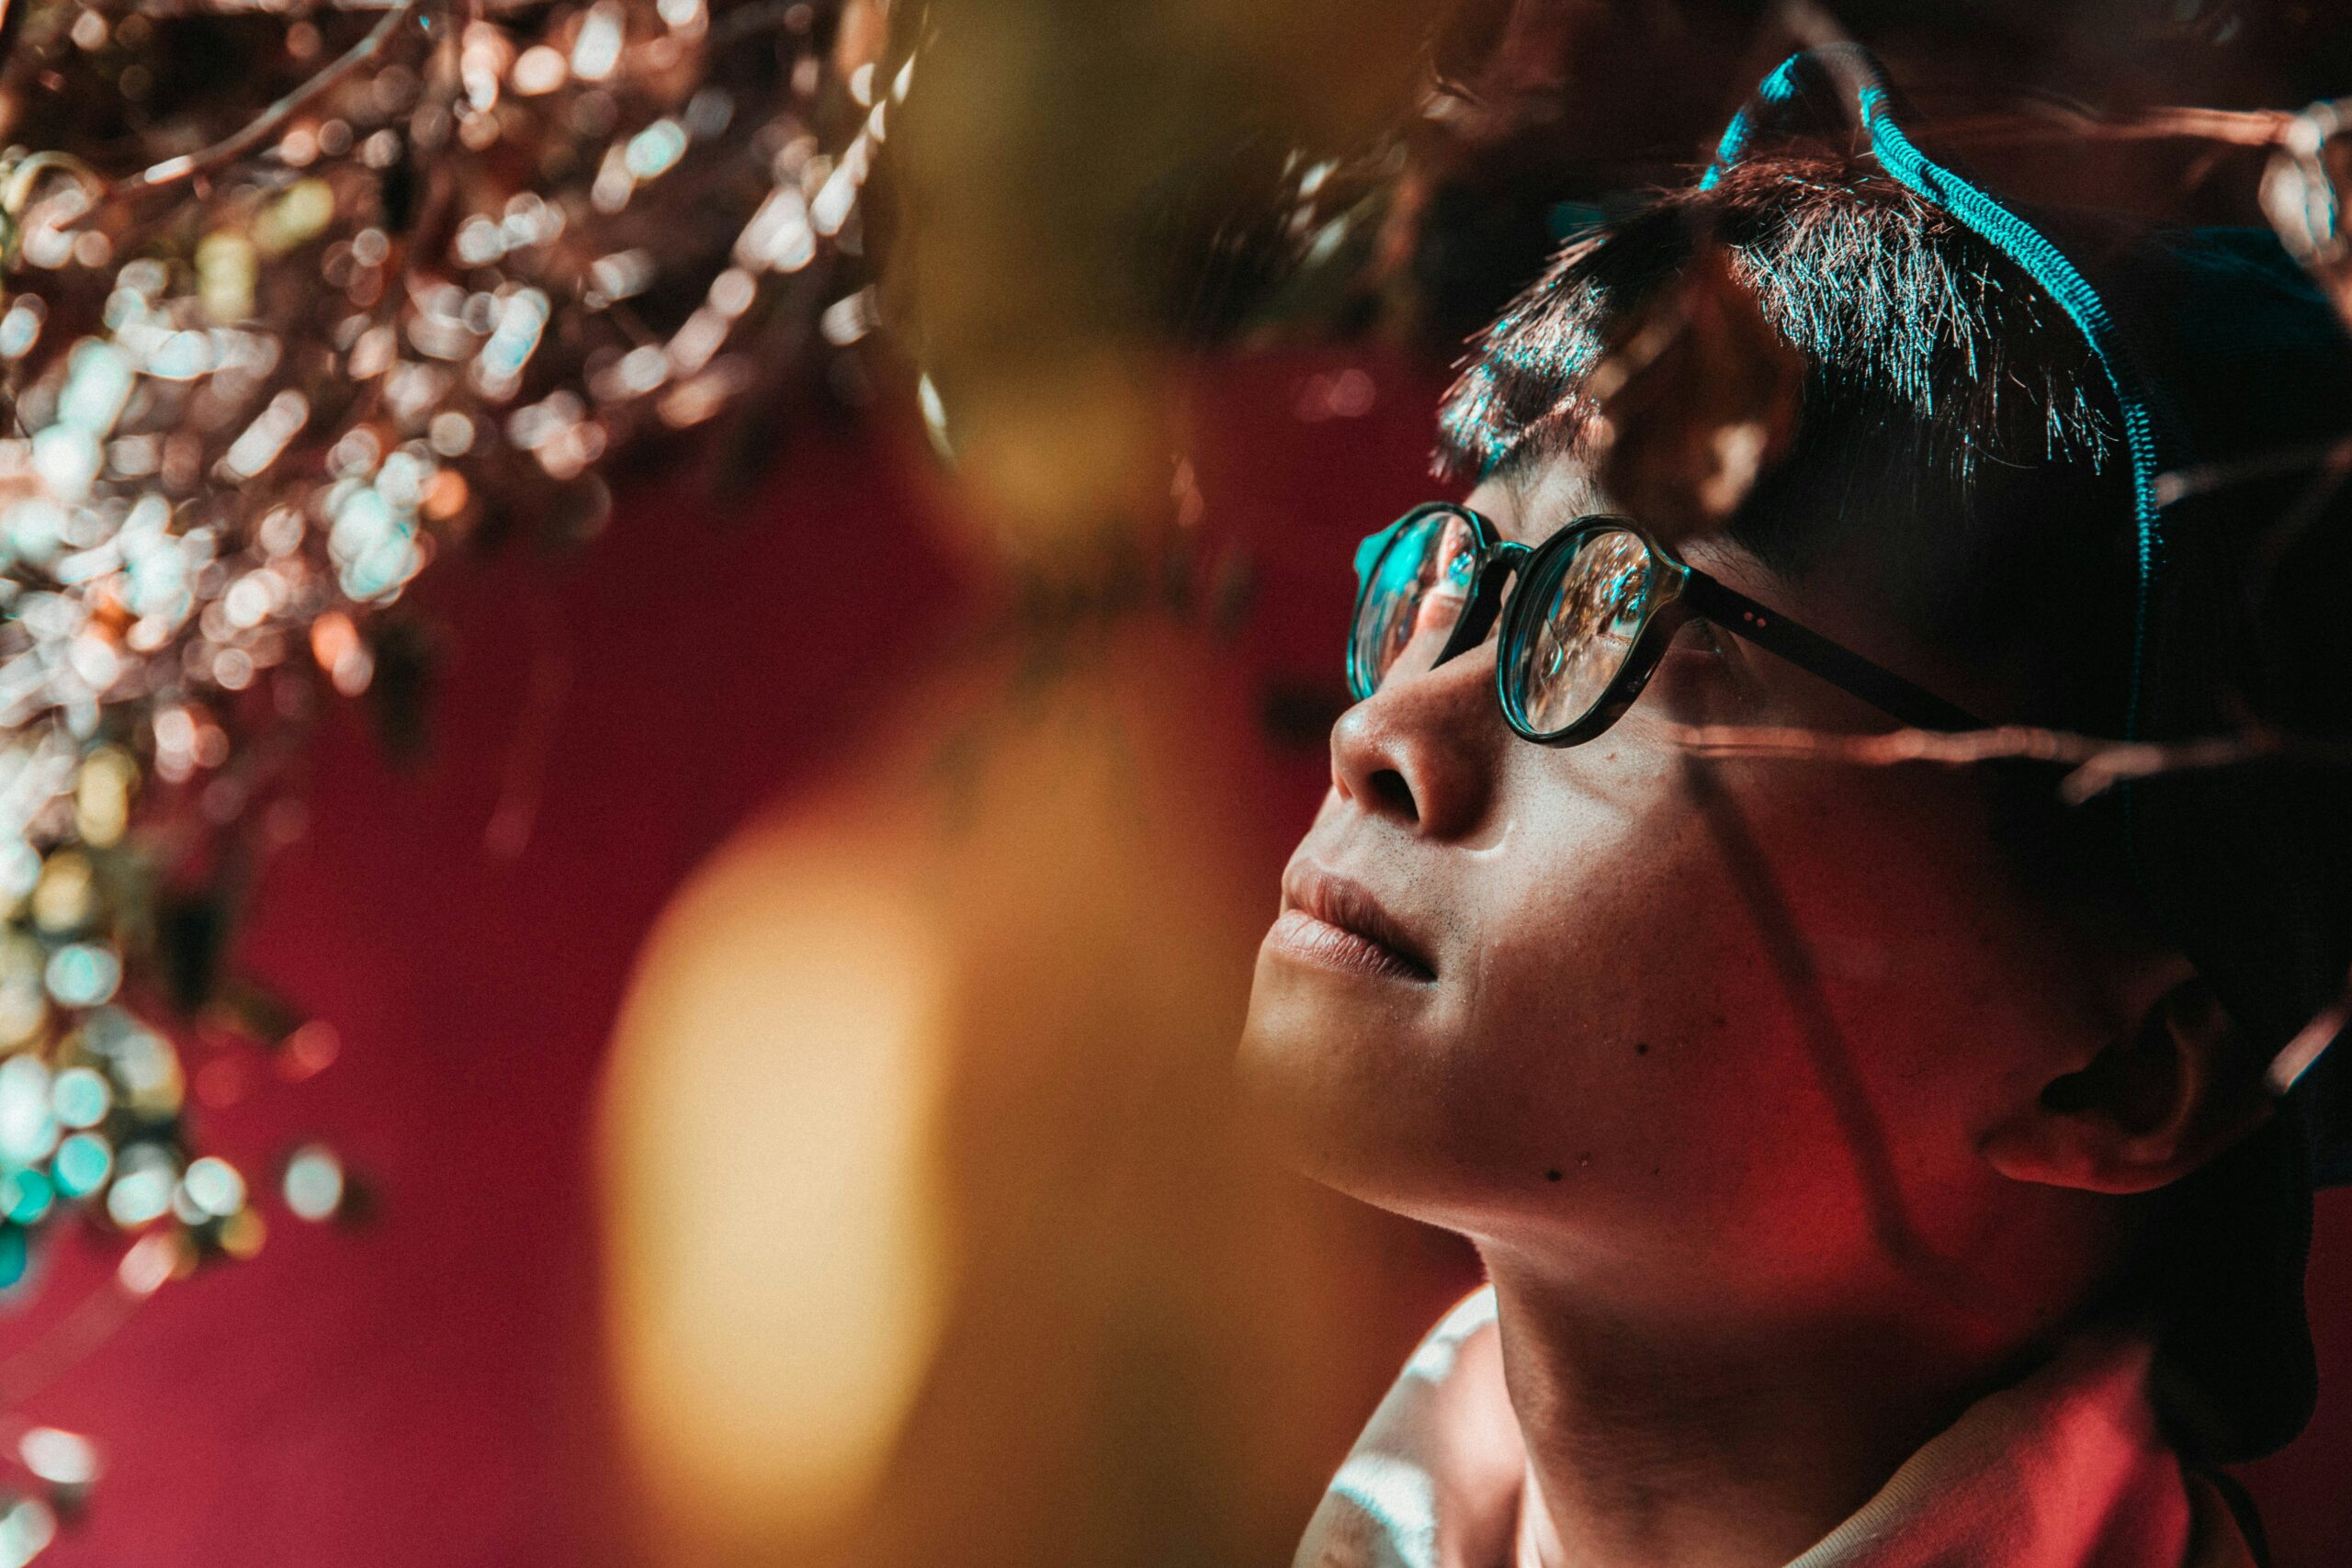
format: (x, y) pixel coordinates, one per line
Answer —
(1595, 607)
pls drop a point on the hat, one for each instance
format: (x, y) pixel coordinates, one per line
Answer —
(2233, 379)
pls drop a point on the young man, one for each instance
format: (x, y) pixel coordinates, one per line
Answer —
(1874, 1166)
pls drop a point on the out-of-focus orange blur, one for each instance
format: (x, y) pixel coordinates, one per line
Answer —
(933, 1235)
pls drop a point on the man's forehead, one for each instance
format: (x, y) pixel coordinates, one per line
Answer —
(1529, 500)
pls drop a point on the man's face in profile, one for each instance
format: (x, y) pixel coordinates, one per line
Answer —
(1682, 1030)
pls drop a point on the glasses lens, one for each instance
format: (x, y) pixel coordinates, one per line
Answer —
(1598, 598)
(1417, 591)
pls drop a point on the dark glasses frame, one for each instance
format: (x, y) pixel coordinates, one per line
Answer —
(1678, 593)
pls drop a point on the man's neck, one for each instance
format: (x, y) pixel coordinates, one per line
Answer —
(1702, 1443)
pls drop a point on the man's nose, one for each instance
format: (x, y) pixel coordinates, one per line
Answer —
(1422, 751)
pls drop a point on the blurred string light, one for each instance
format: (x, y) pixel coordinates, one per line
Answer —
(2303, 195)
(263, 359)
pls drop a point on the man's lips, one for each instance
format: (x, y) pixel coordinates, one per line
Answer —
(1330, 920)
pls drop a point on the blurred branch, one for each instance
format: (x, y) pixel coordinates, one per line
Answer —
(192, 165)
(175, 10)
(2177, 484)
(2295, 1058)
(2041, 122)
(2098, 765)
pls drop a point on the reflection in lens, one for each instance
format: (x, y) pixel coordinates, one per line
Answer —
(1596, 608)
(1416, 594)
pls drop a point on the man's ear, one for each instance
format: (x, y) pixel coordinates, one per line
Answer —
(2145, 1111)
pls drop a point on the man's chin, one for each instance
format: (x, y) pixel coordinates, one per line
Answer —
(1325, 1088)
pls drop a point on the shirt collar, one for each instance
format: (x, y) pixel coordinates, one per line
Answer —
(2064, 1469)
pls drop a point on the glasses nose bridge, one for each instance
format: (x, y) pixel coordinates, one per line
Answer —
(1507, 555)
(1497, 564)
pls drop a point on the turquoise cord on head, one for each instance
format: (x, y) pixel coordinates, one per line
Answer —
(1849, 69)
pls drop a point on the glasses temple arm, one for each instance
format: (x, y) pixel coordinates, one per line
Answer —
(1810, 651)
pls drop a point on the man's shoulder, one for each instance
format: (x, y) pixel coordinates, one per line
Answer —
(1434, 1480)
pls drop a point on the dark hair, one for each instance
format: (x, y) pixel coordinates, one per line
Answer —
(1953, 426)
(1952, 417)
(1902, 313)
